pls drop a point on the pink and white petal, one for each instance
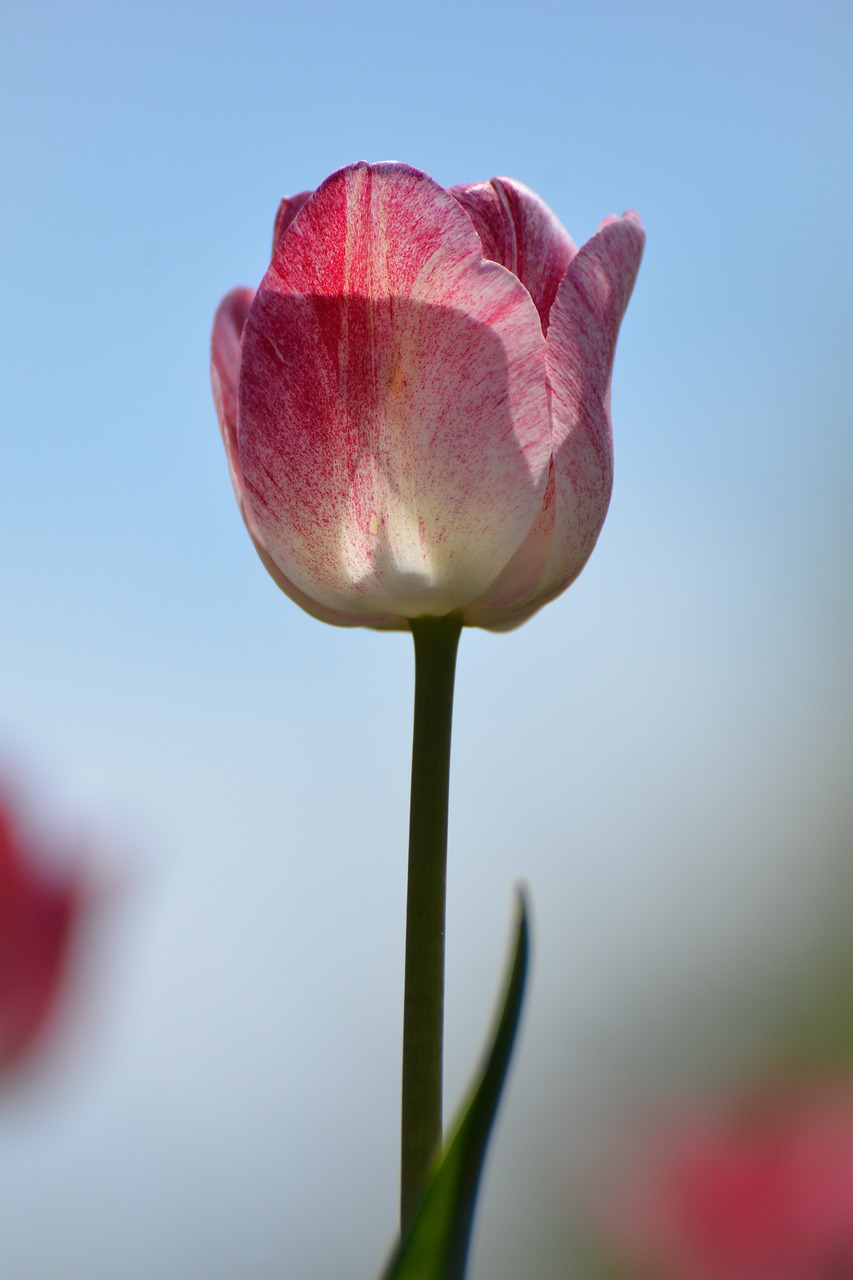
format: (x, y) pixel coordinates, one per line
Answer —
(581, 342)
(393, 426)
(336, 617)
(225, 372)
(517, 229)
(515, 585)
(225, 375)
(287, 211)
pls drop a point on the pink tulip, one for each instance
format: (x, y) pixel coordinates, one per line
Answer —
(39, 910)
(416, 402)
(764, 1196)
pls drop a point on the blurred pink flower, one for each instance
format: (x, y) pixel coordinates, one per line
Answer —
(416, 402)
(39, 910)
(763, 1195)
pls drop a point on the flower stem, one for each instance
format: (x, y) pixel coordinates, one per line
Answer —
(436, 643)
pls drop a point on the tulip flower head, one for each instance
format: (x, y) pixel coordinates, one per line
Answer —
(39, 909)
(415, 403)
(768, 1196)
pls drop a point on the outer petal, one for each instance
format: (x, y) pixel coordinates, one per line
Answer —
(225, 376)
(581, 341)
(393, 433)
(585, 321)
(498, 606)
(518, 230)
(287, 211)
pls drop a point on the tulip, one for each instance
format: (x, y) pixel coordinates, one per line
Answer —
(415, 404)
(39, 912)
(415, 407)
(767, 1195)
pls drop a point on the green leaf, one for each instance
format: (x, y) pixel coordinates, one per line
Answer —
(436, 1244)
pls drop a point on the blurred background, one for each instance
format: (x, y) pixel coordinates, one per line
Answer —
(663, 755)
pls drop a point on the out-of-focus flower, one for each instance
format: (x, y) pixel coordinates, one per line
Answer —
(766, 1194)
(416, 402)
(39, 909)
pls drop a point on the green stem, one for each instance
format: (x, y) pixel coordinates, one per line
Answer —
(436, 642)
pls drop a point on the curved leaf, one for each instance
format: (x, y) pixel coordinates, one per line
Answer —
(436, 1244)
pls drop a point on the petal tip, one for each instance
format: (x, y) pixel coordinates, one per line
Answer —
(631, 215)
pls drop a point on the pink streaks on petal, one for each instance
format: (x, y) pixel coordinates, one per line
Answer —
(225, 370)
(504, 603)
(287, 211)
(518, 230)
(585, 321)
(393, 427)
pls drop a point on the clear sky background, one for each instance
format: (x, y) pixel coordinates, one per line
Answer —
(663, 754)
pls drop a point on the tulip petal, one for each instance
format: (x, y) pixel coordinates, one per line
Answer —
(287, 211)
(323, 613)
(581, 343)
(518, 230)
(497, 607)
(225, 376)
(394, 439)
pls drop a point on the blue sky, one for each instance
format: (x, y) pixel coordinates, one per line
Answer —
(660, 754)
